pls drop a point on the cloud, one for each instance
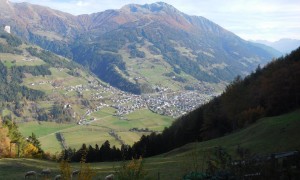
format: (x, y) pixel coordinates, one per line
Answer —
(255, 19)
(82, 3)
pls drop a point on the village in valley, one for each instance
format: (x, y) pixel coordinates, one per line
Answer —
(164, 101)
(98, 101)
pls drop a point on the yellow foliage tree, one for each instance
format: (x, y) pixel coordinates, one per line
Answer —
(4, 141)
(30, 150)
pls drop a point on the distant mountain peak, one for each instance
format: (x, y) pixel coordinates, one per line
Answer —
(284, 45)
(158, 6)
(153, 7)
(5, 9)
(4, 1)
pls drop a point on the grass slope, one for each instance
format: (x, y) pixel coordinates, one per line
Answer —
(267, 135)
(273, 134)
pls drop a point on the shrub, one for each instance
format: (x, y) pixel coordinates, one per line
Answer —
(85, 172)
(132, 170)
(65, 170)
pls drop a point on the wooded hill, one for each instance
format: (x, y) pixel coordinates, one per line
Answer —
(271, 90)
(33, 83)
(11, 78)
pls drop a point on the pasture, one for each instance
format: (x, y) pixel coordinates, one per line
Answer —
(20, 60)
(96, 131)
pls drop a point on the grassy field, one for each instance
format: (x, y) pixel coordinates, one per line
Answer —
(20, 60)
(45, 131)
(50, 143)
(97, 132)
(145, 118)
(273, 134)
(41, 129)
(267, 135)
(90, 135)
(15, 169)
(142, 118)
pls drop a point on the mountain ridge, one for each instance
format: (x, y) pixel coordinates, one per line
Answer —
(192, 47)
(285, 45)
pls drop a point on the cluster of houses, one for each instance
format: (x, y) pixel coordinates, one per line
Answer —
(164, 101)
(176, 104)
(167, 103)
(41, 83)
(29, 59)
(78, 88)
(127, 103)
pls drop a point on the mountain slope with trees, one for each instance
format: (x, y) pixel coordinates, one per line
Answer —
(137, 40)
(29, 81)
(272, 90)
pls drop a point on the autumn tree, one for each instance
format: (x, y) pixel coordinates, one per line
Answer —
(4, 141)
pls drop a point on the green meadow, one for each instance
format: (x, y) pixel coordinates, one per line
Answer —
(96, 131)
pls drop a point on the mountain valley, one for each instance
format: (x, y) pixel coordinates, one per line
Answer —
(139, 47)
(144, 92)
(168, 63)
(71, 97)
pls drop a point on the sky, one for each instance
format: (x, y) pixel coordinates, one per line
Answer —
(250, 19)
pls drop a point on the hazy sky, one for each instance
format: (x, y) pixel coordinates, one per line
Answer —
(250, 19)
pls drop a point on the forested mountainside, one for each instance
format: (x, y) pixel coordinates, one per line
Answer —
(10, 88)
(272, 90)
(36, 84)
(138, 47)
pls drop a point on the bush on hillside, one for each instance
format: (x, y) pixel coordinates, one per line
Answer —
(132, 170)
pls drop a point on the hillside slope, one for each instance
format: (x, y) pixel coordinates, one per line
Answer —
(272, 90)
(267, 135)
(39, 85)
(260, 138)
(125, 47)
(49, 96)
